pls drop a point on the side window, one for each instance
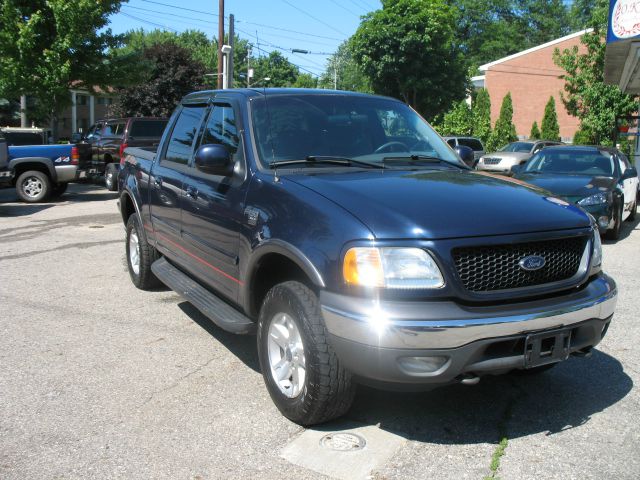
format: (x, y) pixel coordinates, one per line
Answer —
(95, 130)
(221, 128)
(185, 130)
(452, 142)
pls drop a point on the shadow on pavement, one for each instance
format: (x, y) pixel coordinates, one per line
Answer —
(242, 346)
(562, 398)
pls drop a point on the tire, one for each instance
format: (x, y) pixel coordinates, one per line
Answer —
(59, 189)
(140, 256)
(33, 186)
(326, 390)
(614, 233)
(632, 215)
(111, 177)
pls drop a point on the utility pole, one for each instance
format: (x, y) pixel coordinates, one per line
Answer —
(230, 59)
(220, 40)
(249, 66)
(23, 111)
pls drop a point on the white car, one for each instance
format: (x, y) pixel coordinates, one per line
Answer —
(515, 153)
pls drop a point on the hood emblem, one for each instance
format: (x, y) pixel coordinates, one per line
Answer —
(532, 263)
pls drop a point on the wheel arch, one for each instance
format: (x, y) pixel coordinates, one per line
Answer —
(40, 164)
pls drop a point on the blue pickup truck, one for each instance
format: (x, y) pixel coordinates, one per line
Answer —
(350, 237)
(38, 171)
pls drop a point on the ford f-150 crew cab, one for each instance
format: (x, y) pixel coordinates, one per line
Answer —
(345, 232)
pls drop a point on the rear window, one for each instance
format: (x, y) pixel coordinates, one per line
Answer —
(24, 138)
(472, 143)
(147, 128)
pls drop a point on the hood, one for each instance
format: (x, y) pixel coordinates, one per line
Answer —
(435, 204)
(510, 155)
(563, 185)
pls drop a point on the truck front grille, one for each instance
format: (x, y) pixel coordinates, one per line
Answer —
(496, 267)
(492, 161)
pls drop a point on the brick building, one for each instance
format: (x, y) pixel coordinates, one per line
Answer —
(531, 77)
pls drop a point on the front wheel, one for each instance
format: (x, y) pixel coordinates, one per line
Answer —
(33, 186)
(632, 215)
(302, 372)
(614, 233)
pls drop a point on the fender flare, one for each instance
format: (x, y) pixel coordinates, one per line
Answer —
(42, 160)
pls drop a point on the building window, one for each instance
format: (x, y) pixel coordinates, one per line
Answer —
(81, 99)
(105, 100)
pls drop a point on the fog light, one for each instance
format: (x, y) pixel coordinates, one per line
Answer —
(603, 222)
(421, 365)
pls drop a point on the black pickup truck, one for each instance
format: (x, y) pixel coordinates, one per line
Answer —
(345, 232)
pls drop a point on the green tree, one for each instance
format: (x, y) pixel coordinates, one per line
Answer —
(550, 127)
(46, 45)
(504, 131)
(306, 80)
(457, 121)
(277, 68)
(343, 69)
(586, 96)
(481, 110)
(169, 74)
(535, 132)
(408, 50)
(580, 13)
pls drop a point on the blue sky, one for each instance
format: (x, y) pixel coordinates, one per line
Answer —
(317, 26)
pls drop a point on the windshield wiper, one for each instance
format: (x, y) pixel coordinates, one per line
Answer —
(426, 159)
(326, 159)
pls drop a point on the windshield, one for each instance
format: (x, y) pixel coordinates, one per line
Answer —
(517, 147)
(371, 129)
(572, 162)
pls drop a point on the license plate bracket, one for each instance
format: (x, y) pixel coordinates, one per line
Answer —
(546, 347)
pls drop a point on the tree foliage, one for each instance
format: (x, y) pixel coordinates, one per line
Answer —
(348, 74)
(408, 50)
(586, 96)
(535, 131)
(46, 45)
(481, 108)
(458, 121)
(277, 68)
(550, 128)
(504, 131)
(170, 74)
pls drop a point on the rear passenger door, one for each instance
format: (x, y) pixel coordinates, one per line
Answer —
(166, 180)
(213, 205)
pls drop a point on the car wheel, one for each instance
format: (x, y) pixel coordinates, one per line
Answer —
(632, 215)
(111, 177)
(302, 372)
(614, 233)
(33, 186)
(59, 189)
(140, 256)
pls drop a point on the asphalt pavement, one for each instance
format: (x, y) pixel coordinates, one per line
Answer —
(100, 380)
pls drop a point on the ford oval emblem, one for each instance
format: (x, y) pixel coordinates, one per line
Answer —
(532, 263)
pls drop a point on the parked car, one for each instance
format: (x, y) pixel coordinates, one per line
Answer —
(473, 143)
(515, 153)
(109, 138)
(599, 179)
(359, 252)
(40, 171)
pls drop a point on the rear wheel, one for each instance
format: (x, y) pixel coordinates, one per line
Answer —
(302, 372)
(111, 177)
(140, 256)
(33, 186)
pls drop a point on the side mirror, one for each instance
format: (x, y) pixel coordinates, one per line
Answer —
(515, 169)
(214, 159)
(466, 154)
(630, 172)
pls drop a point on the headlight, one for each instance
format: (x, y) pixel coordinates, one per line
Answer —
(597, 199)
(596, 259)
(406, 268)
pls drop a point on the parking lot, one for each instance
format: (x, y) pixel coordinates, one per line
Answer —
(101, 380)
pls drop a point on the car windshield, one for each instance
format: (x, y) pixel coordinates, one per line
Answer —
(363, 128)
(577, 162)
(517, 147)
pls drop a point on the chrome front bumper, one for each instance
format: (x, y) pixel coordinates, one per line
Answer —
(437, 325)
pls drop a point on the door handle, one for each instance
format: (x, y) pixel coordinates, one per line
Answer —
(192, 192)
(158, 181)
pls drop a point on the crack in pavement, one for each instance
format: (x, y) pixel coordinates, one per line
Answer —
(82, 246)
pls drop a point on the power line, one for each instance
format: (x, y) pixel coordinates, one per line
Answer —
(150, 23)
(162, 15)
(314, 18)
(345, 8)
(301, 68)
(181, 8)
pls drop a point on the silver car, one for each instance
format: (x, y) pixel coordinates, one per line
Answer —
(515, 153)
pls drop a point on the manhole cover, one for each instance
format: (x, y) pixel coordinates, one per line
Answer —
(343, 442)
